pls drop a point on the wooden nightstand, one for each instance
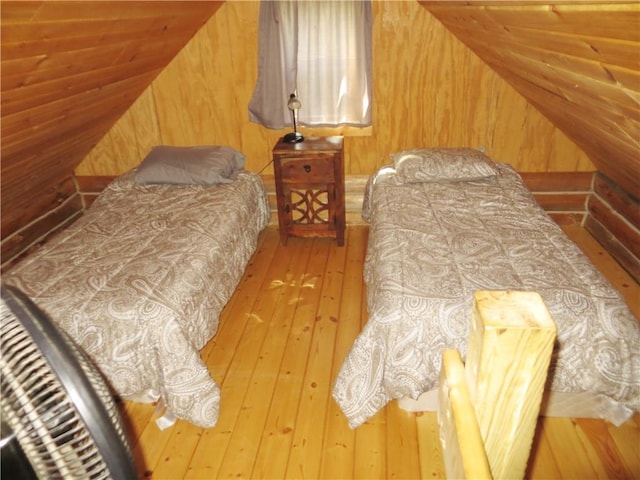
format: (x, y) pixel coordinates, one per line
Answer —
(309, 180)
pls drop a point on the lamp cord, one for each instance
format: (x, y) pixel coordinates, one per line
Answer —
(262, 170)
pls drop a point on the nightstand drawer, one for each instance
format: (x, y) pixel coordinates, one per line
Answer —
(318, 168)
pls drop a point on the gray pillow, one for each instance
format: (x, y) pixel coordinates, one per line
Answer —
(204, 165)
(420, 165)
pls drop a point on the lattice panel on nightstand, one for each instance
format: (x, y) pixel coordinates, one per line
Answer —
(309, 207)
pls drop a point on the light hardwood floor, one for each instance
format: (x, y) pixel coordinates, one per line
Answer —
(281, 341)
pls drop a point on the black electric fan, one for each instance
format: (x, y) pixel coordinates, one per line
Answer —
(59, 419)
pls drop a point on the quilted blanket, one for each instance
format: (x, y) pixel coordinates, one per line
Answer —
(431, 245)
(139, 282)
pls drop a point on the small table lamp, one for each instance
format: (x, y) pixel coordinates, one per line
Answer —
(294, 105)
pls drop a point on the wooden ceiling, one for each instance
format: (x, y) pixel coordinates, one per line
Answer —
(577, 62)
(69, 71)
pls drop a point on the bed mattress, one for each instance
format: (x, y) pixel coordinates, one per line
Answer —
(431, 245)
(139, 282)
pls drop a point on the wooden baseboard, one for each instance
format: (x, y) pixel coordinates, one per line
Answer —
(558, 181)
(562, 194)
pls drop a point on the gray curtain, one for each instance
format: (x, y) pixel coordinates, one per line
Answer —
(322, 51)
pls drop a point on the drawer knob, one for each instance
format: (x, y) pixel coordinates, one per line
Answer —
(307, 168)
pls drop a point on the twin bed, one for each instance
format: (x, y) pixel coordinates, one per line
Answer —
(139, 281)
(445, 223)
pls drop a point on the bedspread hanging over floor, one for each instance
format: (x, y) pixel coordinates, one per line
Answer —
(140, 280)
(431, 245)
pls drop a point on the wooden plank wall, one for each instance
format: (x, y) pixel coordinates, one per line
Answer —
(69, 70)
(614, 220)
(577, 62)
(429, 90)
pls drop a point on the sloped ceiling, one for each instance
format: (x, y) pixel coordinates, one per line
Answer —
(577, 62)
(69, 71)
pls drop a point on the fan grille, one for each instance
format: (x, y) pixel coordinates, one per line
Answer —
(49, 413)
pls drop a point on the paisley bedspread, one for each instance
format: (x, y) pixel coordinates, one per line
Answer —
(139, 282)
(431, 245)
